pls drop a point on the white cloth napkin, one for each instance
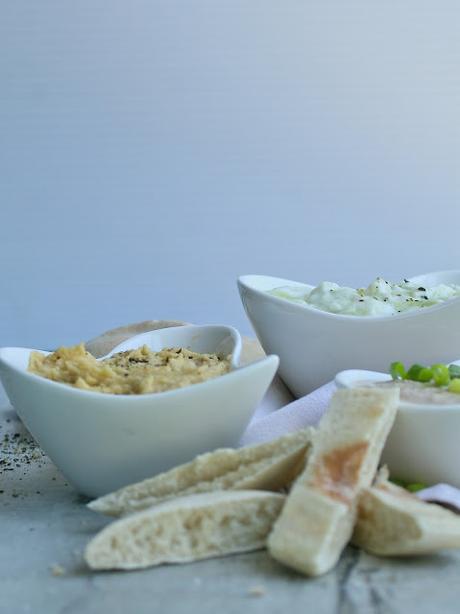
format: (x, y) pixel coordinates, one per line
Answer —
(306, 411)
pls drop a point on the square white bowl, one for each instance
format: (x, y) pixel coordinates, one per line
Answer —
(314, 345)
(423, 443)
(102, 442)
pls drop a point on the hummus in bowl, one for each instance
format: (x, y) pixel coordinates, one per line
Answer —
(423, 443)
(102, 442)
(137, 371)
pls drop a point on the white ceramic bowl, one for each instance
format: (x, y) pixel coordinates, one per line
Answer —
(423, 443)
(314, 345)
(101, 442)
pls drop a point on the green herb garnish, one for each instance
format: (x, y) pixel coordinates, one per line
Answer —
(397, 481)
(425, 374)
(410, 486)
(454, 386)
(439, 375)
(397, 370)
(454, 371)
(414, 372)
(415, 486)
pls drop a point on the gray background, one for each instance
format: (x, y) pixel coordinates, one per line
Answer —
(151, 151)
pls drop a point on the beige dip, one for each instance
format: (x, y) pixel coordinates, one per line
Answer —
(422, 394)
(137, 371)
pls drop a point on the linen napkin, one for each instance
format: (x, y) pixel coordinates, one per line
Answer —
(278, 413)
(269, 423)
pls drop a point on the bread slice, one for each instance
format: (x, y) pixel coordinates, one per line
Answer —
(393, 522)
(186, 529)
(268, 466)
(318, 518)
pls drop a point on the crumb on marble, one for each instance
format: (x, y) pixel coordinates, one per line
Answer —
(57, 570)
(256, 591)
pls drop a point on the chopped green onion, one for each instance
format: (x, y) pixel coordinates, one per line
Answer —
(441, 375)
(410, 486)
(398, 481)
(414, 372)
(454, 386)
(454, 371)
(438, 374)
(397, 370)
(425, 375)
(415, 486)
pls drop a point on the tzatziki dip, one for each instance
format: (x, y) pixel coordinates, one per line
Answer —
(380, 298)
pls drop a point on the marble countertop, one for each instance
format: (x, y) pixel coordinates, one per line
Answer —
(45, 526)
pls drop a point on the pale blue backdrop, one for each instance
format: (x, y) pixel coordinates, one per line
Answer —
(151, 151)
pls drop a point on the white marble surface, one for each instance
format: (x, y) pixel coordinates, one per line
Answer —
(45, 523)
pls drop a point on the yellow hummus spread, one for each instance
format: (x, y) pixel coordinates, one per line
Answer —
(137, 371)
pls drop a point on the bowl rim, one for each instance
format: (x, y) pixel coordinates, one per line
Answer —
(345, 379)
(242, 282)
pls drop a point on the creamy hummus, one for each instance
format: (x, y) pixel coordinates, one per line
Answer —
(422, 394)
(137, 371)
(380, 298)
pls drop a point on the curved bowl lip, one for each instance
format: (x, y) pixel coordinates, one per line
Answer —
(350, 377)
(243, 281)
(139, 398)
(233, 332)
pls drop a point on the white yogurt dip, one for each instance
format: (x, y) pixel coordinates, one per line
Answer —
(380, 298)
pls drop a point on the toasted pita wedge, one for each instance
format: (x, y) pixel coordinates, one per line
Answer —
(394, 522)
(318, 518)
(268, 466)
(186, 529)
